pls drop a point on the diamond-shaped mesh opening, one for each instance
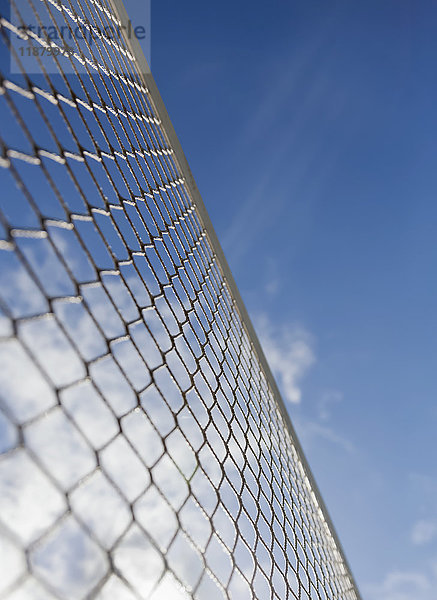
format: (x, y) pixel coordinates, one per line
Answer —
(65, 547)
(86, 407)
(52, 438)
(171, 482)
(218, 559)
(239, 588)
(31, 589)
(26, 392)
(169, 588)
(138, 561)
(13, 564)
(185, 561)
(153, 512)
(143, 436)
(125, 468)
(30, 503)
(209, 589)
(115, 588)
(144, 451)
(103, 511)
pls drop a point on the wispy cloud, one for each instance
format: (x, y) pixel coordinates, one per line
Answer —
(299, 158)
(327, 402)
(404, 585)
(424, 531)
(272, 286)
(423, 488)
(289, 351)
(310, 430)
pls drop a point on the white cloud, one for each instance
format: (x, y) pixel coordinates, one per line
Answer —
(326, 402)
(288, 349)
(272, 286)
(403, 585)
(311, 430)
(423, 531)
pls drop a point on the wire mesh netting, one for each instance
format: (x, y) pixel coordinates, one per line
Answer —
(143, 450)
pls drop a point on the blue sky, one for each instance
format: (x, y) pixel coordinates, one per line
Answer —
(310, 128)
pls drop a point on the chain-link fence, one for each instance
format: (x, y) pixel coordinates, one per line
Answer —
(144, 450)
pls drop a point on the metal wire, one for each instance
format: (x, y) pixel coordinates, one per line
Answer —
(143, 450)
